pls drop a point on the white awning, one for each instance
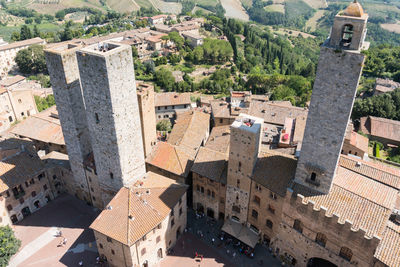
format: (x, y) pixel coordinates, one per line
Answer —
(240, 232)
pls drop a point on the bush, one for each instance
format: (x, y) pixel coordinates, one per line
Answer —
(164, 125)
(9, 245)
(44, 103)
(31, 60)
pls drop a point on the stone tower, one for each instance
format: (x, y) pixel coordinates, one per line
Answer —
(108, 83)
(339, 70)
(244, 148)
(64, 74)
(145, 93)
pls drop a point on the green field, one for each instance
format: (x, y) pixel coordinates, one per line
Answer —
(313, 21)
(53, 8)
(5, 32)
(275, 8)
(247, 3)
(207, 2)
(296, 8)
(123, 6)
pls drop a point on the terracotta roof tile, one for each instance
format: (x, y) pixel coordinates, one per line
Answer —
(275, 113)
(363, 201)
(190, 129)
(210, 164)
(171, 99)
(388, 250)
(381, 127)
(13, 80)
(44, 126)
(23, 43)
(219, 139)
(19, 167)
(378, 172)
(139, 209)
(275, 171)
(170, 158)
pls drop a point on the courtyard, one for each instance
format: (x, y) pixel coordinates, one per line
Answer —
(41, 246)
(40, 243)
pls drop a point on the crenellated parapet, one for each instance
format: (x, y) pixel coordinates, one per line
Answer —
(320, 219)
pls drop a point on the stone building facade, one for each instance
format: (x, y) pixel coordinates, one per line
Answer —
(108, 83)
(332, 101)
(24, 183)
(245, 145)
(145, 93)
(156, 206)
(9, 52)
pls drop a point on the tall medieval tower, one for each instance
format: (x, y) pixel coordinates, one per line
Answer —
(108, 83)
(339, 70)
(244, 148)
(63, 69)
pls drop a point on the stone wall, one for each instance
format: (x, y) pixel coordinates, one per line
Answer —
(64, 75)
(331, 104)
(208, 201)
(37, 194)
(108, 83)
(302, 245)
(269, 208)
(147, 117)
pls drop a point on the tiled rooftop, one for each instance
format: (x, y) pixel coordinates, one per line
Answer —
(44, 126)
(139, 209)
(170, 158)
(171, 99)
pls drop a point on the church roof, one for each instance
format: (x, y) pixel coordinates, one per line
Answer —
(354, 10)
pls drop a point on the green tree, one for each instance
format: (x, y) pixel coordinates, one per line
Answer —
(26, 33)
(135, 53)
(9, 245)
(36, 32)
(31, 60)
(164, 125)
(165, 79)
(177, 39)
(15, 36)
(44, 103)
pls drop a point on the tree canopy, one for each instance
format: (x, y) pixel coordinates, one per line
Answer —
(9, 245)
(31, 60)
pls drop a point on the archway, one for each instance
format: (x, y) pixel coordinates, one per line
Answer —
(37, 204)
(210, 213)
(221, 216)
(318, 262)
(159, 254)
(145, 263)
(200, 208)
(26, 211)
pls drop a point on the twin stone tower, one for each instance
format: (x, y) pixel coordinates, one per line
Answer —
(95, 92)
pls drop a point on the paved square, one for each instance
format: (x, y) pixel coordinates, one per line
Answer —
(38, 235)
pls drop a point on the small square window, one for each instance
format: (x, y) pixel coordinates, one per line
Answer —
(112, 252)
(101, 245)
(172, 222)
(109, 239)
(45, 186)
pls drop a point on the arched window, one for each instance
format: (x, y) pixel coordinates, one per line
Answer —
(346, 253)
(269, 224)
(321, 239)
(298, 226)
(347, 35)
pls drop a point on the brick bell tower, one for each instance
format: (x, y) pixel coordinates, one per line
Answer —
(338, 73)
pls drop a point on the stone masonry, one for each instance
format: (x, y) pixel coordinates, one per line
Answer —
(244, 149)
(64, 74)
(332, 100)
(108, 83)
